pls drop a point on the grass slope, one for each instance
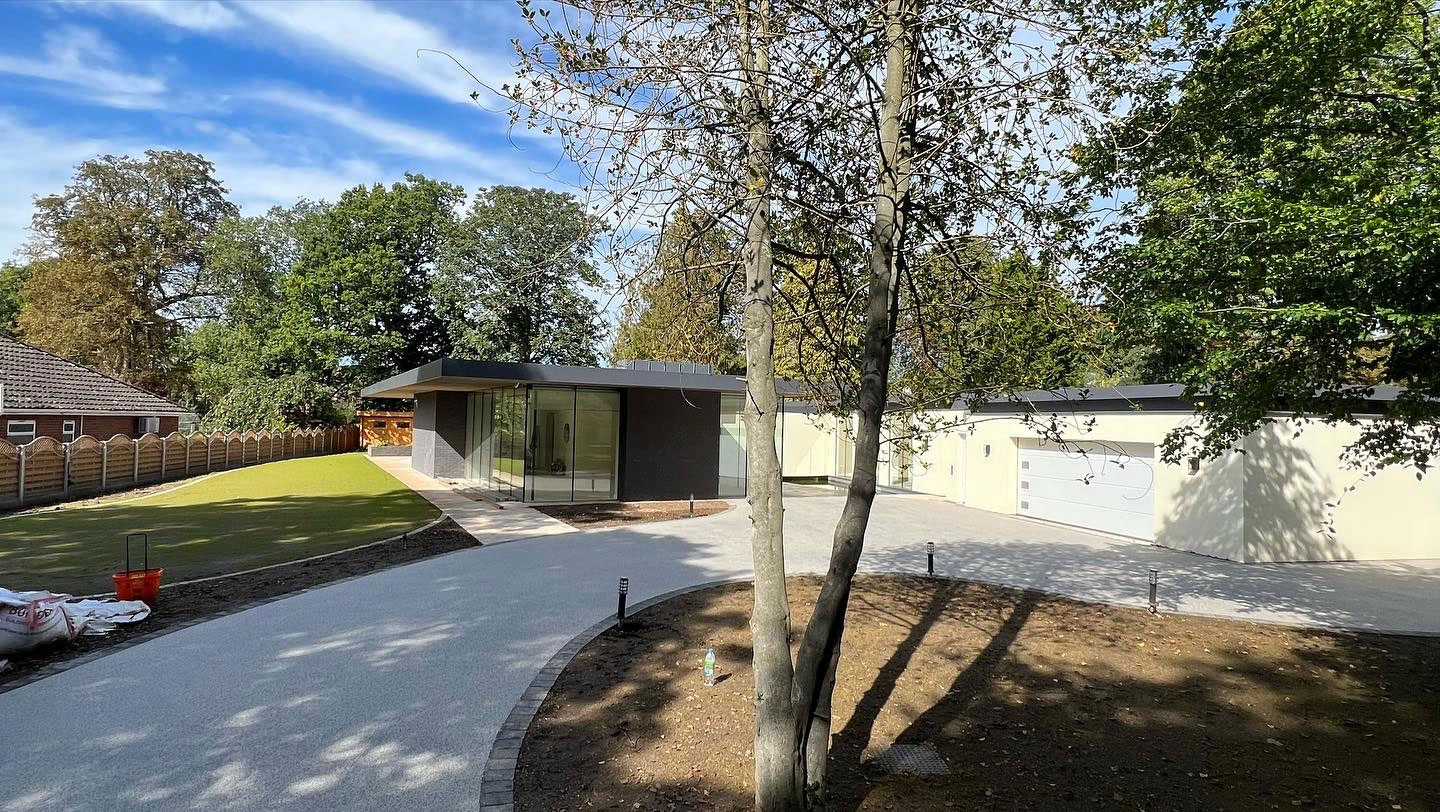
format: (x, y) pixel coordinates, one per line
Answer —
(266, 514)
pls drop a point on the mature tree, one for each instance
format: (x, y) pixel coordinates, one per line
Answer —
(241, 345)
(359, 303)
(277, 403)
(1288, 223)
(512, 283)
(117, 255)
(686, 306)
(13, 276)
(905, 129)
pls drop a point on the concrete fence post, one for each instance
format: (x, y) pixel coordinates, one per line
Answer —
(104, 463)
(21, 476)
(164, 458)
(135, 458)
(65, 476)
(207, 453)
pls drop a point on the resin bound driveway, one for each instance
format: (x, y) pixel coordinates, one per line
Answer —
(384, 692)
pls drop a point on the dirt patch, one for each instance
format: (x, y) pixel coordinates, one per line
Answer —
(1033, 702)
(612, 514)
(188, 602)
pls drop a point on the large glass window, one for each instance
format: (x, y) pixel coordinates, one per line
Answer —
(597, 450)
(545, 444)
(551, 458)
(732, 445)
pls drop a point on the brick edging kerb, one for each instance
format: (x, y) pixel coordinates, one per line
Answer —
(497, 783)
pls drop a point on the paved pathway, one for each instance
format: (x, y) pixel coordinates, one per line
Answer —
(384, 692)
(489, 522)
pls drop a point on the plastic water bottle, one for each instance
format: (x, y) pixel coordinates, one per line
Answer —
(710, 665)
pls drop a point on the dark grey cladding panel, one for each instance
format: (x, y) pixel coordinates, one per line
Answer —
(438, 434)
(671, 445)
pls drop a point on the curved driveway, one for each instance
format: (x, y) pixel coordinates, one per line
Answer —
(384, 692)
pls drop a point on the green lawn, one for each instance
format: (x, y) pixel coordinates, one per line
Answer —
(266, 514)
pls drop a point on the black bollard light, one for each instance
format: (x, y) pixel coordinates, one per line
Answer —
(692, 504)
(1154, 588)
(620, 609)
(930, 555)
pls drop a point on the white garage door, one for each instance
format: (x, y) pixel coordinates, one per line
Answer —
(1109, 487)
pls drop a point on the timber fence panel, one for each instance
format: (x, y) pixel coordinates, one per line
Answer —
(44, 468)
(9, 474)
(152, 456)
(87, 465)
(120, 461)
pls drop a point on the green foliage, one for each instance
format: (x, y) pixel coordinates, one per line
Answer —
(1284, 251)
(511, 280)
(13, 277)
(288, 401)
(359, 303)
(687, 306)
(118, 255)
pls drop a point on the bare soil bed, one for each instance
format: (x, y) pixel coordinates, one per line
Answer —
(1033, 702)
(183, 604)
(613, 514)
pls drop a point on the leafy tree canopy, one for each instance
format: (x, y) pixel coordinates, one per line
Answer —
(687, 307)
(1283, 247)
(511, 284)
(117, 256)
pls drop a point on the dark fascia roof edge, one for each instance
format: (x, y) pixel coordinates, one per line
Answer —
(1151, 397)
(456, 373)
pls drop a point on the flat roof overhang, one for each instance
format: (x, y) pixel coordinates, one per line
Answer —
(457, 375)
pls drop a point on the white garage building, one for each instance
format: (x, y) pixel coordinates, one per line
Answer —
(1269, 503)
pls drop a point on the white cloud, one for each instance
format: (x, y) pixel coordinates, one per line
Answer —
(88, 66)
(384, 43)
(396, 137)
(192, 15)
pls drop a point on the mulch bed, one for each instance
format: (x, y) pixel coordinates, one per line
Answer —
(185, 603)
(613, 514)
(1033, 702)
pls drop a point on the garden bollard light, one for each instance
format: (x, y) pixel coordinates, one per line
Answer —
(692, 504)
(620, 610)
(930, 555)
(1154, 586)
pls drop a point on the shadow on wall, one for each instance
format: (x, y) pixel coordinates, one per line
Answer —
(1286, 514)
(1266, 505)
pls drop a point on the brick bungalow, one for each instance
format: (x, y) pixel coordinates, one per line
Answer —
(43, 395)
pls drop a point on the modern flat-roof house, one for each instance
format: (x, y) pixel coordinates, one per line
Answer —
(44, 395)
(550, 433)
(538, 433)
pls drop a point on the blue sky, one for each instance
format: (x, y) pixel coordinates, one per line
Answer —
(287, 99)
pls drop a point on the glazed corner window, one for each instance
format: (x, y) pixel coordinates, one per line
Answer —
(379, 424)
(67, 430)
(20, 432)
(402, 424)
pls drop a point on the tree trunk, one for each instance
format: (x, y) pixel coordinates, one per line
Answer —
(820, 650)
(777, 767)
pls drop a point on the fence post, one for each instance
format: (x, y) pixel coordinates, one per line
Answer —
(207, 453)
(164, 457)
(227, 451)
(135, 458)
(65, 482)
(187, 454)
(104, 463)
(22, 474)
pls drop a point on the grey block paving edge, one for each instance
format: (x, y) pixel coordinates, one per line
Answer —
(497, 783)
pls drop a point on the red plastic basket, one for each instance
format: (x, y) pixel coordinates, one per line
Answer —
(142, 584)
